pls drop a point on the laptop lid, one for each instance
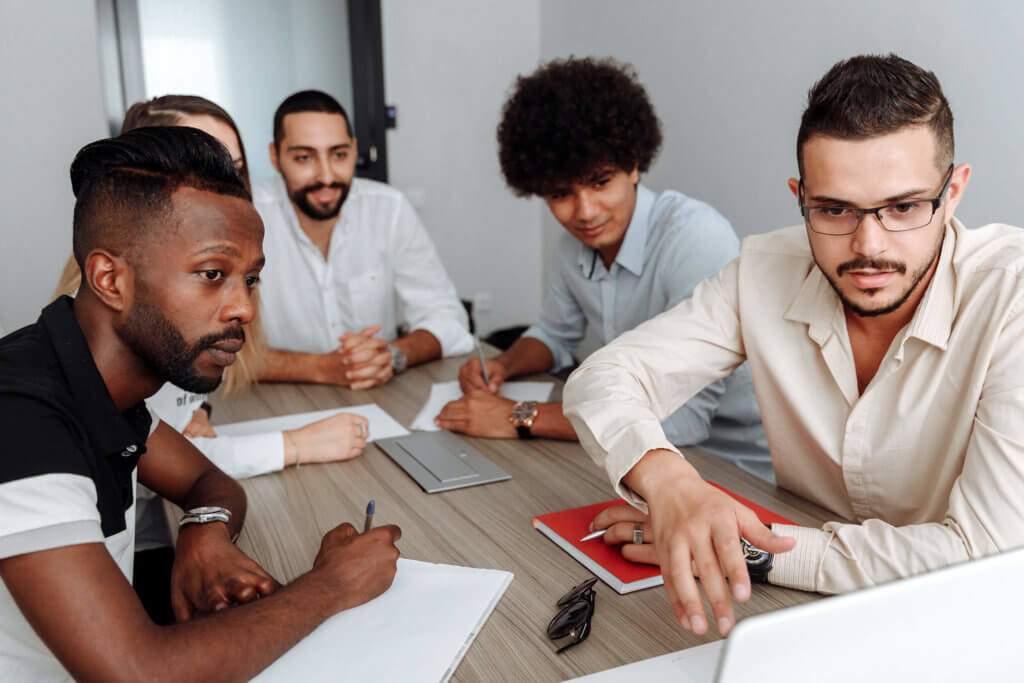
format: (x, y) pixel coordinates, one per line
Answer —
(441, 461)
(961, 623)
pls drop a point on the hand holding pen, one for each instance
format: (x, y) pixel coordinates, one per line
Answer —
(481, 374)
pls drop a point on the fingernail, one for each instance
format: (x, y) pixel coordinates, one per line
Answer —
(685, 621)
(699, 625)
(741, 591)
(724, 624)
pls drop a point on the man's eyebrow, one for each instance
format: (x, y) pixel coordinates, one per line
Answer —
(260, 262)
(832, 201)
(225, 249)
(600, 173)
(307, 148)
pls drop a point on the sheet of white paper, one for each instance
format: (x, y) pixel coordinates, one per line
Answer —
(382, 425)
(444, 392)
(692, 665)
(418, 630)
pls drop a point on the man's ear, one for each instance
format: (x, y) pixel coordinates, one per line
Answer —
(274, 161)
(110, 278)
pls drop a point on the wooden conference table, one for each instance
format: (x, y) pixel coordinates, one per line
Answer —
(486, 526)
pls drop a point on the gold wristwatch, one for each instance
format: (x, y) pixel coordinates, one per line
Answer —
(522, 417)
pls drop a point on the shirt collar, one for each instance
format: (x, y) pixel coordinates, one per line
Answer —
(110, 432)
(933, 321)
(818, 306)
(634, 244)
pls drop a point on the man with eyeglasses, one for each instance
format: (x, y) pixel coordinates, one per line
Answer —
(884, 340)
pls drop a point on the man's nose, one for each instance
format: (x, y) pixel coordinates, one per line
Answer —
(239, 306)
(586, 207)
(871, 238)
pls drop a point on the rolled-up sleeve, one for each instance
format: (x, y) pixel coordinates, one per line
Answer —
(617, 399)
(428, 298)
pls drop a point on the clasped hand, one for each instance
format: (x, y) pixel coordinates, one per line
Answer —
(361, 360)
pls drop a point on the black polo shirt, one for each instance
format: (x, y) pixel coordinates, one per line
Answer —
(68, 463)
(67, 466)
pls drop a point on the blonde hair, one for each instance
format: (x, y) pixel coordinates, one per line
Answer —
(169, 110)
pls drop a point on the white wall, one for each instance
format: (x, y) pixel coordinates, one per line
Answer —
(52, 102)
(447, 66)
(247, 56)
(730, 81)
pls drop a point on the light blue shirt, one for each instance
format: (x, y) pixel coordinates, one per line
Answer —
(672, 243)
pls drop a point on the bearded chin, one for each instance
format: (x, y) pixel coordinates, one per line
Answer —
(162, 348)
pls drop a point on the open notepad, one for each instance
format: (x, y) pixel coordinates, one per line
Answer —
(418, 630)
(382, 425)
(442, 393)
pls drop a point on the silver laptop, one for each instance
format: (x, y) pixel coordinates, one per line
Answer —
(441, 461)
(961, 623)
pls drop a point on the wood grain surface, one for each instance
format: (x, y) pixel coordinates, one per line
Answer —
(484, 526)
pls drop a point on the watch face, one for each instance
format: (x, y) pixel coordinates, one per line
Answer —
(524, 410)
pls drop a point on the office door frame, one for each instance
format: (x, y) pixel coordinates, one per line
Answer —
(120, 44)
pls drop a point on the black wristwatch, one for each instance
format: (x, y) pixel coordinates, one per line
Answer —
(759, 562)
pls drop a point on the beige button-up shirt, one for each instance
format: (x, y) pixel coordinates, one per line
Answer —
(928, 461)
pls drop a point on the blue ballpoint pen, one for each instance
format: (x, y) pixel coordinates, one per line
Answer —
(369, 517)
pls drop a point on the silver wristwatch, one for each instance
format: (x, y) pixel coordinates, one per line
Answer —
(205, 515)
(398, 360)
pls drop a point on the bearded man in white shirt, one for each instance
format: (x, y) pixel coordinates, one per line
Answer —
(348, 260)
(884, 343)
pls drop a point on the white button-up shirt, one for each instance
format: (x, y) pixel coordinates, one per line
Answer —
(928, 460)
(381, 267)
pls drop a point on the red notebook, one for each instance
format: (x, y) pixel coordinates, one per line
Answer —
(567, 527)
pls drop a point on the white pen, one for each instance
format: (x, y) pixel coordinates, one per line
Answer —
(592, 536)
(483, 363)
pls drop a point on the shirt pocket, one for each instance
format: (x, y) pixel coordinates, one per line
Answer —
(369, 299)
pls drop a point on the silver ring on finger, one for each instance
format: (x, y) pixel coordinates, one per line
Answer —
(363, 431)
(638, 533)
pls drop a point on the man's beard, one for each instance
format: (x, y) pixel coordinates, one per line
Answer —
(301, 199)
(155, 340)
(880, 264)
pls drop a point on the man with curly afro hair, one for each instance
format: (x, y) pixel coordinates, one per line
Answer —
(579, 133)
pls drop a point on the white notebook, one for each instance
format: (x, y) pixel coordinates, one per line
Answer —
(382, 425)
(418, 630)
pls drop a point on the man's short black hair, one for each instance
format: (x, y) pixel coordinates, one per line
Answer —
(307, 100)
(123, 185)
(871, 95)
(571, 117)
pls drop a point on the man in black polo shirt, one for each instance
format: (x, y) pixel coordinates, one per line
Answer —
(170, 248)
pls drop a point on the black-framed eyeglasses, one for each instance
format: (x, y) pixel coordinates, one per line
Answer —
(911, 214)
(571, 625)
